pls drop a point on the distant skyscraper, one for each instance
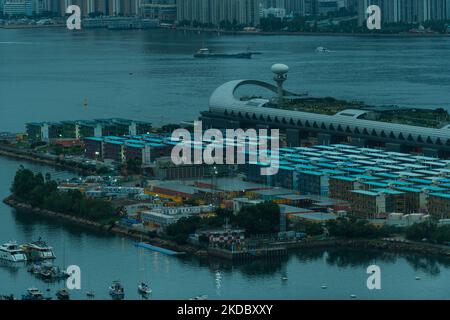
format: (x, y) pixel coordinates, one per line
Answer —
(245, 12)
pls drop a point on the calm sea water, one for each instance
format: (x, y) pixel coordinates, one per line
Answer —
(47, 74)
(104, 258)
(151, 75)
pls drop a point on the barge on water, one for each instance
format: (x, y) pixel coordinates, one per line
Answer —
(205, 53)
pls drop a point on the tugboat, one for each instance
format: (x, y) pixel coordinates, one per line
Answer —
(10, 251)
(144, 289)
(63, 294)
(206, 53)
(38, 250)
(116, 291)
(33, 294)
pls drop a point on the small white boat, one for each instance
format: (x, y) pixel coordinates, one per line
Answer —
(202, 297)
(324, 287)
(284, 278)
(11, 251)
(144, 289)
(33, 294)
(417, 278)
(322, 50)
(90, 294)
(353, 296)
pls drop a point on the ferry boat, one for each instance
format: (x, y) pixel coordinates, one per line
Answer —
(116, 291)
(38, 250)
(11, 251)
(206, 53)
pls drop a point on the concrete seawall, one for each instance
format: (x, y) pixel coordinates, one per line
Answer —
(372, 244)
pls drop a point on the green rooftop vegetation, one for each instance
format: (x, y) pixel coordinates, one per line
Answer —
(327, 105)
(431, 118)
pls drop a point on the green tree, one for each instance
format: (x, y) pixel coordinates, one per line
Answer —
(262, 218)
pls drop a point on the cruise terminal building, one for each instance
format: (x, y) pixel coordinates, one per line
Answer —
(349, 125)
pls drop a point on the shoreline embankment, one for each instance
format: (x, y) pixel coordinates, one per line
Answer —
(284, 33)
(360, 244)
(29, 155)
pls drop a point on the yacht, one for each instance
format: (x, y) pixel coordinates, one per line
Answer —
(11, 251)
(38, 250)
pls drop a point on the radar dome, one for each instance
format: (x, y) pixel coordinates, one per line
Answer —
(279, 68)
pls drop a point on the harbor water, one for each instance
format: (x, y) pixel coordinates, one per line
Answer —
(48, 74)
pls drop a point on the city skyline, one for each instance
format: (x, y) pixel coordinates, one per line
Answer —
(246, 12)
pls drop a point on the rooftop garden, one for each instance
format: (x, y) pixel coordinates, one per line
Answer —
(431, 118)
(327, 105)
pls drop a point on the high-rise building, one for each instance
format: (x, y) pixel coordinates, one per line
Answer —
(164, 10)
(18, 7)
(105, 7)
(245, 12)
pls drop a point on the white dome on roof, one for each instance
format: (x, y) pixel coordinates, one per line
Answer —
(280, 68)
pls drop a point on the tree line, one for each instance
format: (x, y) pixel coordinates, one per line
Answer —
(42, 192)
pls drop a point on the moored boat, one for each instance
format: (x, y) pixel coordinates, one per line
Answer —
(38, 250)
(11, 251)
(47, 271)
(33, 294)
(63, 294)
(116, 290)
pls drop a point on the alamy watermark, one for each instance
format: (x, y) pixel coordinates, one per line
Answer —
(374, 19)
(374, 280)
(73, 282)
(237, 144)
(74, 20)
